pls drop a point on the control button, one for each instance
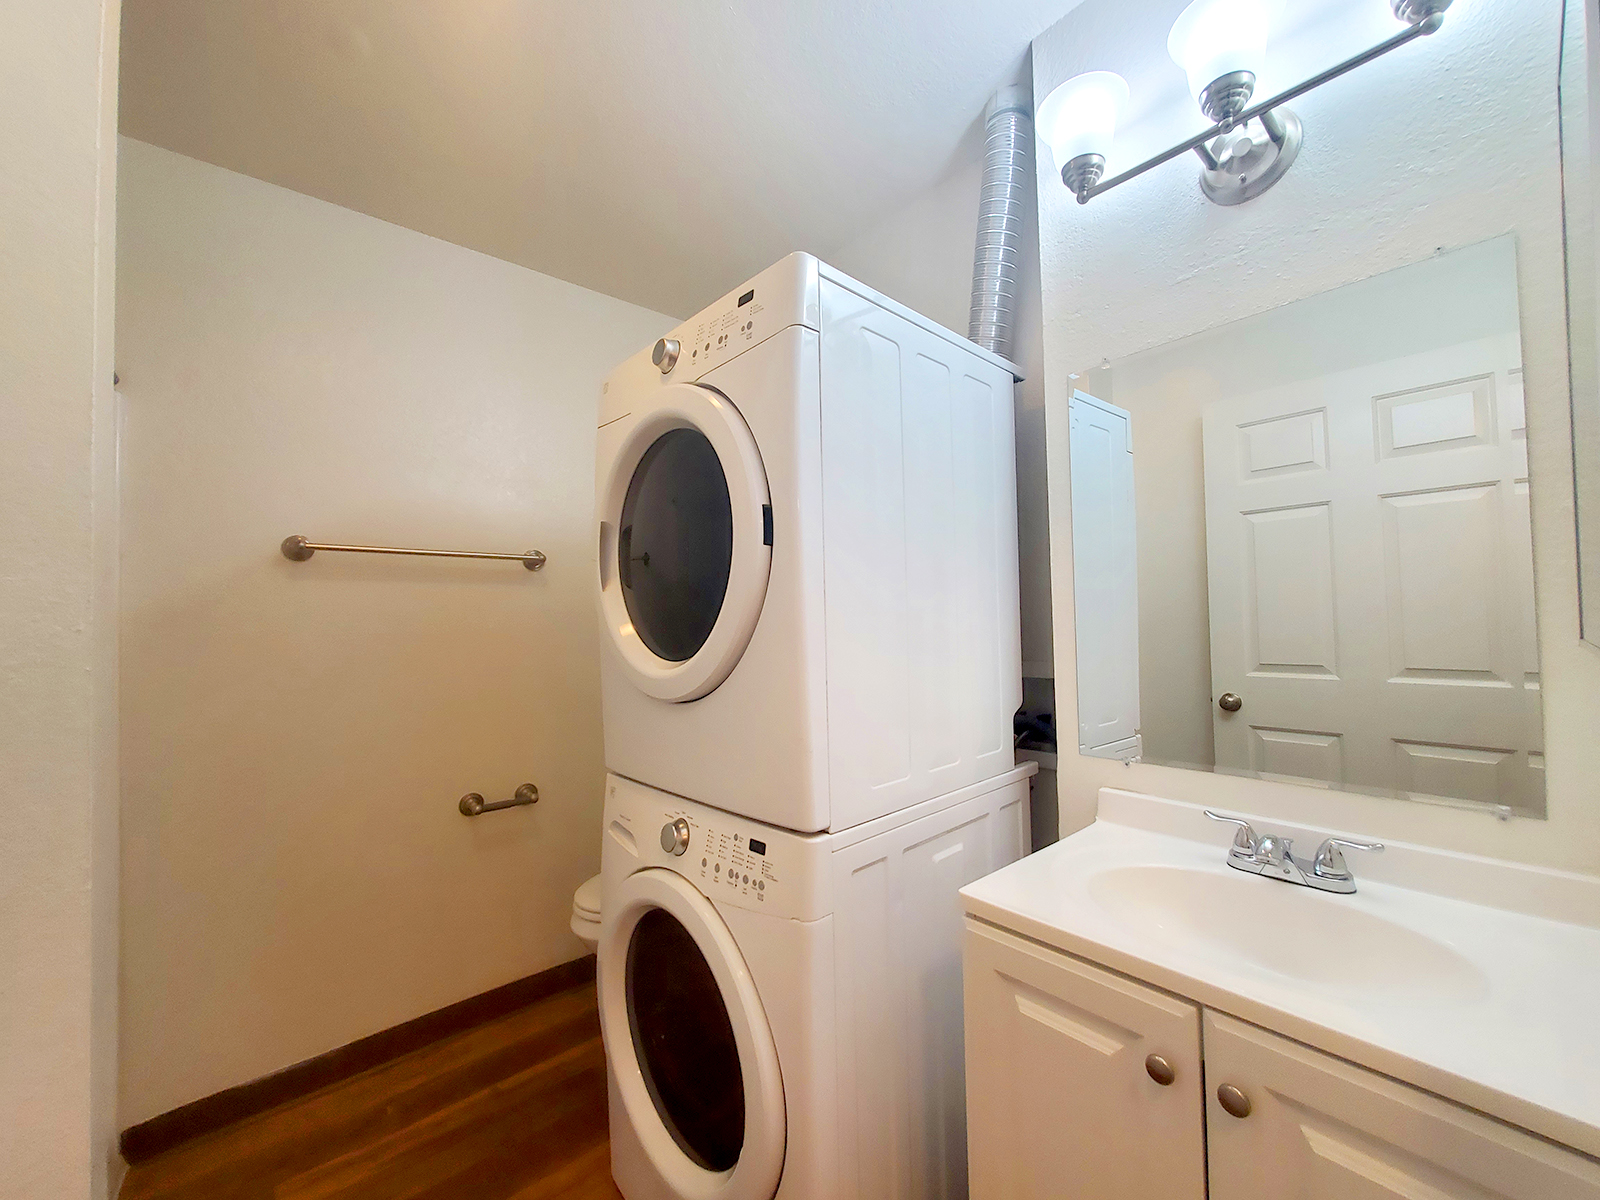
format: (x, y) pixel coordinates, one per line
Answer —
(675, 836)
(762, 885)
(717, 870)
(665, 355)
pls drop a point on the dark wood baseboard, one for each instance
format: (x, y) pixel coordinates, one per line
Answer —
(210, 1113)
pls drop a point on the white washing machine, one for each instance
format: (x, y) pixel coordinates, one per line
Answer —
(782, 1011)
(806, 500)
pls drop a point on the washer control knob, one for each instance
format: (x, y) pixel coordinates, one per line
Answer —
(675, 836)
(665, 355)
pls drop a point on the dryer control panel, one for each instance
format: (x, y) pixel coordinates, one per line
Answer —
(731, 860)
(713, 337)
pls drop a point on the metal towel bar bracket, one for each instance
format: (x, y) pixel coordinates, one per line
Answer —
(473, 804)
(297, 549)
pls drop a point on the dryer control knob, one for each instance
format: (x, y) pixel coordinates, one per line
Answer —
(675, 836)
(665, 355)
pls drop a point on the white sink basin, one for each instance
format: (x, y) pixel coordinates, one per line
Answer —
(1297, 932)
(1467, 977)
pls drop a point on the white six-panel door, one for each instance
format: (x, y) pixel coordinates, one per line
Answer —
(1371, 579)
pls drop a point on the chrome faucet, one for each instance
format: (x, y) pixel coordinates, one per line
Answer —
(1273, 856)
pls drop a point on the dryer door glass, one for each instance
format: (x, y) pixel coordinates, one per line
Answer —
(675, 544)
(684, 1041)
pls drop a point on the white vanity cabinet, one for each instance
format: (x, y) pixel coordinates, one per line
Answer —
(1319, 1128)
(1060, 1103)
(1060, 1100)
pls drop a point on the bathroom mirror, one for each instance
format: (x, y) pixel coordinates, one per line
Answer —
(1580, 137)
(1302, 547)
(1300, 446)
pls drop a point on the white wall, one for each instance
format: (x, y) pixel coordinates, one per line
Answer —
(1423, 149)
(922, 256)
(296, 735)
(1468, 294)
(58, 665)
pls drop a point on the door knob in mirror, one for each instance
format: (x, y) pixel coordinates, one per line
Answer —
(1230, 702)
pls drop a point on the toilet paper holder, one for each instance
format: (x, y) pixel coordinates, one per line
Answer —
(474, 805)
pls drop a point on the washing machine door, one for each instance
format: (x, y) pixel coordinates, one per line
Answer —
(688, 1042)
(685, 543)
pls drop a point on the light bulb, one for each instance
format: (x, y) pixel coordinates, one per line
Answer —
(1212, 39)
(1080, 116)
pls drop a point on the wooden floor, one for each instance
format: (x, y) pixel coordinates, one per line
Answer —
(514, 1109)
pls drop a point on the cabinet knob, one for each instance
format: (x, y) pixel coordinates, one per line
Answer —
(1160, 1070)
(1234, 1102)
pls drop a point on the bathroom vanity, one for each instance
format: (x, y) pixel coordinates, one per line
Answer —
(1143, 1020)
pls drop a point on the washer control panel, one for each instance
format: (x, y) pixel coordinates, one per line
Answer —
(734, 862)
(730, 859)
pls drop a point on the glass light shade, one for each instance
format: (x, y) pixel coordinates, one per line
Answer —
(1080, 116)
(1213, 38)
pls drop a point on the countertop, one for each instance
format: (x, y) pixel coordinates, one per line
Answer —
(1504, 1019)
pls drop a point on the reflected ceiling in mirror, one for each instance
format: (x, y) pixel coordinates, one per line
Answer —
(1302, 547)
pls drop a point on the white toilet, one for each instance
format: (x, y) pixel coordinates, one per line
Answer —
(586, 912)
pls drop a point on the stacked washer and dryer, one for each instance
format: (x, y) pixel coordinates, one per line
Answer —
(806, 513)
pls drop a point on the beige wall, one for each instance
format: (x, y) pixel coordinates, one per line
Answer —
(58, 771)
(1420, 150)
(1443, 301)
(296, 736)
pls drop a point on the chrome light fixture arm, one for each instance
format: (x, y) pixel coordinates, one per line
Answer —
(1086, 183)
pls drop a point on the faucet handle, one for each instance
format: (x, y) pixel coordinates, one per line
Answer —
(1330, 862)
(1244, 838)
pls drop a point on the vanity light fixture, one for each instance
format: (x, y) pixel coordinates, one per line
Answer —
(1079, 119)
(1221, 45)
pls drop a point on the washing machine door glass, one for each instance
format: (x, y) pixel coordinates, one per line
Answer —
(675, 547)
(684, 1041)
(685, 540)
(690, 1052)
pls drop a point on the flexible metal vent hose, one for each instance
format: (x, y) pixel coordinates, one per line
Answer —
(1008, 147)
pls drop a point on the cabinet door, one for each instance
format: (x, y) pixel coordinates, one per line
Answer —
(1059, 1100)
(1321, 1129)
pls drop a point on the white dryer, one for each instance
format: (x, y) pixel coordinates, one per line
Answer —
(806, 508)
(782, 1011)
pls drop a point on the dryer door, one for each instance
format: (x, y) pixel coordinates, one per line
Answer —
(688, 1042)
(685, 543)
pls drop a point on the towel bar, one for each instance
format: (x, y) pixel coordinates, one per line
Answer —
(297, 549)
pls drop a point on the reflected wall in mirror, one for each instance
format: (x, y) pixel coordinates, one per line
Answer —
(1580, 138)
(1302, 547)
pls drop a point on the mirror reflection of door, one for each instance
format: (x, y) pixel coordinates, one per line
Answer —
(1371, 579)
(1327, 576)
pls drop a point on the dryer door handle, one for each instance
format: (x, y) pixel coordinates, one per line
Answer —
(625, 556)
(607, 548)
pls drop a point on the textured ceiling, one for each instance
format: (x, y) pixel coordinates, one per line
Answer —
(657, 152)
